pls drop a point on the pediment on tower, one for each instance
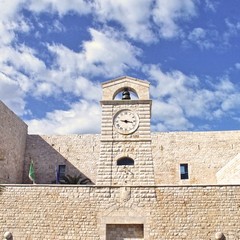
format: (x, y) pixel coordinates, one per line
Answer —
(113, 87)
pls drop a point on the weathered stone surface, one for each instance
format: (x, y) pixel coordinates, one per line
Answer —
(13, 133)
(79, 153)
(205, 152)
(230, 172)
(77, 212)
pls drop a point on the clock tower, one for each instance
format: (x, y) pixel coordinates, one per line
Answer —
(125, 152)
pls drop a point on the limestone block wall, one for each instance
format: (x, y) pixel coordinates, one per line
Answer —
(79, 153)
(13, 132)
(205, 153)
(136, 146)
(230, 173)
(86, 212)
(141, 173)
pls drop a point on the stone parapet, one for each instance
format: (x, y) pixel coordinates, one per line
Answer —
(86, 212)
(205, 153)
(80, 154)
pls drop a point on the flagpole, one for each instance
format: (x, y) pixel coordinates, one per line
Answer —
(31, 174)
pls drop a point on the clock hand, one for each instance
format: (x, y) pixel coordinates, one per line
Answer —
(126, 121)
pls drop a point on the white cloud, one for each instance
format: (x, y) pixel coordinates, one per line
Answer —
(11, 21)
(174, 82)
(32, 75)
(171, 93)
(233, 29)
(199, 36)
(13, 62)
(82, 117)
(168, 116)
(22, 58)
(237, 65)
(61, 7)
(225, 85)
(133, 15)
(45, 89)
(229, 93)
(106, 54)
(114, 54)
(167, 14)
(55, 26)
(25, 74)
(237, 119)
(177, 98)
(18, 68)
(23, 66)
(87, 89)
(211, 5)
(231, 102)
(11, 94)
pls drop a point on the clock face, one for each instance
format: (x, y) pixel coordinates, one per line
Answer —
(126, 121)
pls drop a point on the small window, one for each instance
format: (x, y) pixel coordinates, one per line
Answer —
(125, 161)
(184, 171)
(61, 172)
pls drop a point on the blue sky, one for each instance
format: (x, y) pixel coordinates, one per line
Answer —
(56, 53)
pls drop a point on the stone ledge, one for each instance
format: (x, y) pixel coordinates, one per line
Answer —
(127, 140)
(125, 102)
(119, 186)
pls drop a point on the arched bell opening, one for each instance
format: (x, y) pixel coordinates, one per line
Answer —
(125, 161)
(125, 93)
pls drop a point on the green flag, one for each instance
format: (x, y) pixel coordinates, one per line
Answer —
(31, 174)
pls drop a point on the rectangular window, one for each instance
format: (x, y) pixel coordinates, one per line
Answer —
(184, 171)
(61, 170)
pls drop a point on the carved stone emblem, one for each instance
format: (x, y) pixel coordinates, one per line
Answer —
(125, 194)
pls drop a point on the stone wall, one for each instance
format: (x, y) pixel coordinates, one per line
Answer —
(205, 152)
(230, 173)
(13, 132)
(79, 153)
(76, 212)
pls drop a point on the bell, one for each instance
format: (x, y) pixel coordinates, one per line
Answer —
(126, 94)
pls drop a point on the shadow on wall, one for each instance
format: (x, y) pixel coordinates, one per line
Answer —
(48, 161)
(1, 189)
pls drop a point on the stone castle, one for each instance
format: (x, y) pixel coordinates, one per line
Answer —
(167, 185)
